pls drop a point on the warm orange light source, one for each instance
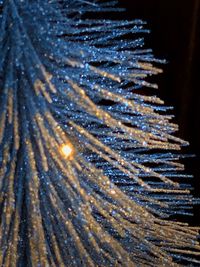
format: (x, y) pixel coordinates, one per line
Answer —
(67, 151)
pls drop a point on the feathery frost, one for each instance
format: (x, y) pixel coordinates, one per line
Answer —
(89, 165)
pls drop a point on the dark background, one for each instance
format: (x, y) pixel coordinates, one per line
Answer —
(175, 37)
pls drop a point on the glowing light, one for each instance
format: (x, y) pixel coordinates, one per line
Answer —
(67, 151)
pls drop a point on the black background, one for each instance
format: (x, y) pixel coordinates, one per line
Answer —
(175, 37)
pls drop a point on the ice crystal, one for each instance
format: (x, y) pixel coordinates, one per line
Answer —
(89, 165)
